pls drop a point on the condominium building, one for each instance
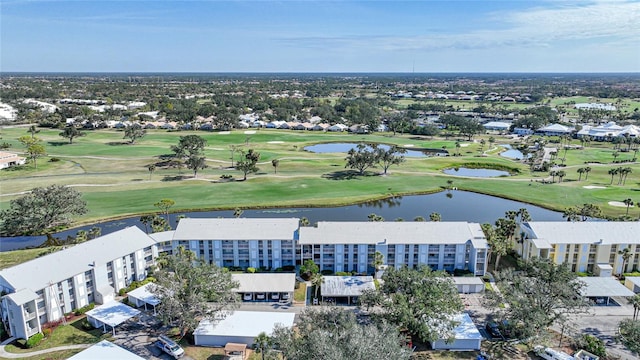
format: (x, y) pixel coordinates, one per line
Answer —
(582, 245)
(351, 246)
(44, 289)
(241, 242)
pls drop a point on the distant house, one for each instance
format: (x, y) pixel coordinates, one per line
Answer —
(497, 126)
(321, 127)
(337, 128)
(523, 131)
(8, 160)
(555, 130)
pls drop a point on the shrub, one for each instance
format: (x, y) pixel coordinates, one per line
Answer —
(288, 268)
(342, 273)
(592, 344)
(121, 292)
(251, 270)
(47, 332)
(34, 340)
(54, 159)
(326, 272)
(86, 325)
(84, 309)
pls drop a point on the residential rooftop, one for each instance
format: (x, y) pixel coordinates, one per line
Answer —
(236, 229)
(583, 232)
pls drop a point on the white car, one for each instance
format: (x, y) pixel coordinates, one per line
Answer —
(247, 297)
(260, 296)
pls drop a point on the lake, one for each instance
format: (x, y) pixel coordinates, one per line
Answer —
(345, 147)
(484, 173)
(452, 206)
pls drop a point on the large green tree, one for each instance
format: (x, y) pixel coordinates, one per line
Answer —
(191, 290)
(421, 300)
(247, 163)
(134, 132)
(362, 157)
(629, 331)
(336, 334)
(71, 132)
(537, 296)
(392, 156)
(41, 209)
(190, 150)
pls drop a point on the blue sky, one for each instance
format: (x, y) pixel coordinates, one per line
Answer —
(320, 36)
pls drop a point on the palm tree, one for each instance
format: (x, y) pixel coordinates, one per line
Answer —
(317, 280)
(580, 172)
(635, 301)
(237, 212)
(304, 221)
(615, 155)
(275, 163)
(554, 173)
(587, 170)
(612, 172)
(378, 261)
(262, 343)
(561, 174)
(628, 202)
(151, 169)
(434, 216)
(458, 148)
(524, 215)
(626, 255)
(625, 172)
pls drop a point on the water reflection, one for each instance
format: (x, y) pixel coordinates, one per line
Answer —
(451, 205)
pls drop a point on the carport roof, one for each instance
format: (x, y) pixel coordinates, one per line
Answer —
(604, 287)
(467, 280)
(113, 313)
(143, 293)
(245, 324)
(284, 282)
(105, 350)
(341, 286)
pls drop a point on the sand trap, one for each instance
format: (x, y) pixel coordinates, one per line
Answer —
(224, 132)
(464, 145)
(409, 145)
(275, 142)
(618, 203)
(594, 187)
(250, 132)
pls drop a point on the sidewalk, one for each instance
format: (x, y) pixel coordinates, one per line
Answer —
(7, 355)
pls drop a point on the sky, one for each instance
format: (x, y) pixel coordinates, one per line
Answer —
(421, 36)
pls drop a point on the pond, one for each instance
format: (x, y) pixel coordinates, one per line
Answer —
(511, 153)
(345, 147)
(462, 171)
(452, 206)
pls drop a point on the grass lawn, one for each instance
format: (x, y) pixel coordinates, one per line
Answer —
(11, 258)
(114, 179)
(69, 334)
(56, 355)
(300, 294)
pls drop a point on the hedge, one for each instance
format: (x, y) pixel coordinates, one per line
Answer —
(34, 340)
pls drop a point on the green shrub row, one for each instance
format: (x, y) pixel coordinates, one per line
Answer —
(136, 284)
(34, 340)
(84, 309)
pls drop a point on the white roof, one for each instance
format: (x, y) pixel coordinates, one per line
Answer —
(143, 293)
(245, 323)
(396, 232)
(284, 282)
(162, 236)
(236, 229)
(53, 268)
(603, 287)
(584, 232)
(556, 127)
(633, 279)
(346, 285)
(467, 280)
(113, 313)
(105, 350)
(497, 124)
(22, 296)
(467, 329)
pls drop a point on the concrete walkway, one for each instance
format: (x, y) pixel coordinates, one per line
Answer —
(7, 355)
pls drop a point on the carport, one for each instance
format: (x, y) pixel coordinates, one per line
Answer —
(603, 288)
(239, 327)
(105, 350)
(265, 286)
(466, 336)
(143, 297)
(349, 287)
(112, 314)
(469, 284)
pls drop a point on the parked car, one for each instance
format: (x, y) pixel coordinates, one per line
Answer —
(260, 296)
(284, 296)
(247, 297)
(506, 329)
(493, 330)
(275, 297)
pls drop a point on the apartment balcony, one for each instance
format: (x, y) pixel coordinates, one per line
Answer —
(29, 314)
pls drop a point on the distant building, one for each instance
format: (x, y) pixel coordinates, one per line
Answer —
(8, 160)
(584, 245)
